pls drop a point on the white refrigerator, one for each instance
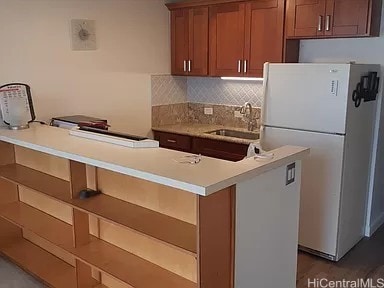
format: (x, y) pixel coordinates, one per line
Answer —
(311, 105)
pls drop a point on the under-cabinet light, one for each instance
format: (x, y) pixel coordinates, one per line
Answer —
(242, 78)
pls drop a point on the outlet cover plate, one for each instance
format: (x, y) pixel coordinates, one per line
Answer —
(208, 111)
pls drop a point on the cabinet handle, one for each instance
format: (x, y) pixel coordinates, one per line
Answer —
(239, 66)
(245, 66)
(320, 24)
(189, 65)
(185, 66)
(328, 23)
(171, 141)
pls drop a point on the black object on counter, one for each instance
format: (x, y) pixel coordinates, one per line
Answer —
(88, 193)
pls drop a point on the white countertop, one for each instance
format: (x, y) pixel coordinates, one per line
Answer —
(153, 164)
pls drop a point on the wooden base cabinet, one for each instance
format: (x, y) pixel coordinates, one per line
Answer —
(333, 18)
(207, 147)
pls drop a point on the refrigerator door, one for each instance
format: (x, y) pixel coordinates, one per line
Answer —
(321, 185)
(310, 97)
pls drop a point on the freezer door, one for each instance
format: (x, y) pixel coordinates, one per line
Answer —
(321, 185)
(309, 97)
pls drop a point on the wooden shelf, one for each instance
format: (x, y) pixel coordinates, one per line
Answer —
(99, 254)
(128, 267)
(170, 230)
(159, 226)
(47, 227)
(35, 180)
(43, 265)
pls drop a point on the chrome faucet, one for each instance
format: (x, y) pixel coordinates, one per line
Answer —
(246, 110)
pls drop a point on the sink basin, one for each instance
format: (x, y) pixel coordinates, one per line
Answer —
(235, 134)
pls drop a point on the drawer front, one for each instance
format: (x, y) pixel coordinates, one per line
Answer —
(220, 149)
(174, 141)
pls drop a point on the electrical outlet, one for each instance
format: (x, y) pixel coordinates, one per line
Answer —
(208, 111)
(238, 114)
(291, 173)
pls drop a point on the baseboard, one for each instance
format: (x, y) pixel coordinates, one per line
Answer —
(370, 230)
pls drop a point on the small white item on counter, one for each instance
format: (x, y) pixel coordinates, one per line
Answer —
(253, 147)
(264, 156)
(255, 151)
(189, 159)
(148, 143)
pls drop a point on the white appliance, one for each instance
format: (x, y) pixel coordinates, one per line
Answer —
(311, 105)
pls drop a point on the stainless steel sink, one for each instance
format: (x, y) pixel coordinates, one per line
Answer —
(235, 134)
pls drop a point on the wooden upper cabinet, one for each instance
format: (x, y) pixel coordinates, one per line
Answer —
(347, 17)
(226, 28)
(305, 18)
(333, 18)
(198, 41)
(264, 35)
(179, 41)
(229, 37)
(189, 41)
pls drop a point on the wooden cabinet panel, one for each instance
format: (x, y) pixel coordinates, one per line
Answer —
(347, 17)
(305, 18)
(174, 141)
(179, 40)
(333, 18)
(189, 37)
(207, 147)
(226, 30)
(264, 29)
(219, 149)
(198, 41)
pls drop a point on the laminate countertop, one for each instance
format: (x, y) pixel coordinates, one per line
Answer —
(199, 130)
(157, 165)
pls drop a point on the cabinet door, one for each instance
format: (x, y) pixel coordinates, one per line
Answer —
(174, 141)
(305, 18)
(347, 17)
(198, 41)
(264, 22)
(179, 41)
(226, 39)
(219, 149)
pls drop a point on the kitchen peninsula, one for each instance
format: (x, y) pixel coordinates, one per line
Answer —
(157, 223)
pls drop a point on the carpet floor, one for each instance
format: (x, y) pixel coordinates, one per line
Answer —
(12, 276)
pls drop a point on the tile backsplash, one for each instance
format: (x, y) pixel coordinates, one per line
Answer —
(182, 113)
(167, 89)
(177, 100)
(224, 92)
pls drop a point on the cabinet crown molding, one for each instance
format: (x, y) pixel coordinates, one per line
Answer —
(196, 3)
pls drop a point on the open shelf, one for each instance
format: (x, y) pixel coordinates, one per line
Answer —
(47, 227)
(43, 265)
(167, 229)
(38, 181)
(103, 256)
(128, 267)
(159, 226)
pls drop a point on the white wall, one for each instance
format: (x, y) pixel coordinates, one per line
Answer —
(368, 50)
(112, 82)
